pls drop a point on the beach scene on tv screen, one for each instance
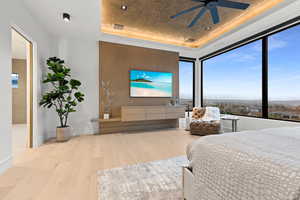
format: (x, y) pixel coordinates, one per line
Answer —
(150, 84)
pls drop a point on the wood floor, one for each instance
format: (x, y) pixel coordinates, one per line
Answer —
(67, 171)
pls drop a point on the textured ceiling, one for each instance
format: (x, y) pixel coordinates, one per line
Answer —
(150, 20)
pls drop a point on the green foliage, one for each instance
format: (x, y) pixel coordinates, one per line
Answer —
(64, 95)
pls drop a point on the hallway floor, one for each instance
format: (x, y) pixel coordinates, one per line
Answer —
(19, 139)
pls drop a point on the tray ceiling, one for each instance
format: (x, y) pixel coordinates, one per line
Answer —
(150, 20)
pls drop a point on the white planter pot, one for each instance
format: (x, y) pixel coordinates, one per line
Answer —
(63, 134)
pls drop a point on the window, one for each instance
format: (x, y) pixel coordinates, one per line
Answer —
(232, 81)
(186, 83)
(259, 79)
(284, 74)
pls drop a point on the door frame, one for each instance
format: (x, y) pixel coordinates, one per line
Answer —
(30, 92)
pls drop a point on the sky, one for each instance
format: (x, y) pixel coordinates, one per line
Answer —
(186, 80)
(161, 77)
(237, 74)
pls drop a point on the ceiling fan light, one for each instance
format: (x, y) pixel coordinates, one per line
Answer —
(190, 40)
(118, 26)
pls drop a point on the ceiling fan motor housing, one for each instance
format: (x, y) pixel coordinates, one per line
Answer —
(211, 4)
(212, 7)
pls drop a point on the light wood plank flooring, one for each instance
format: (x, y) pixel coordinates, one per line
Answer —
(67, 171)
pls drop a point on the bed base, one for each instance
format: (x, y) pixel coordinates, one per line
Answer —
(187, 183)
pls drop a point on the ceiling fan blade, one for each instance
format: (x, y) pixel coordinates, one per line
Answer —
(186, 11)
(199, 15)
(232, 4)
(214, 14)
(199, 1)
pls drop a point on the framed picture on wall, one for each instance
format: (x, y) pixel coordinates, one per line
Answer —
(151, 84)
(15, 80)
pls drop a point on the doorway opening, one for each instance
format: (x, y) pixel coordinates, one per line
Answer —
(21, 83)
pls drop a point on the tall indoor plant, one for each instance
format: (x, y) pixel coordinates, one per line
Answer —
(64, 95)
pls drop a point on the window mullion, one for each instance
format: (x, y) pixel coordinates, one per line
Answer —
(265, 62)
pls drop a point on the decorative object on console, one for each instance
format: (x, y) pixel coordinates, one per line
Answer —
(107, 98)
(205, 121)
(171, 102)
(64, 95)
(106, 116)
(174, 101)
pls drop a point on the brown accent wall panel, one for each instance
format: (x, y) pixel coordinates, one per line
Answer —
(116, 60)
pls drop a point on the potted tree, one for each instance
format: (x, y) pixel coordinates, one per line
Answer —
(63, 96)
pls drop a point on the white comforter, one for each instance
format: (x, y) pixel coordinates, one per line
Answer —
(258, 165)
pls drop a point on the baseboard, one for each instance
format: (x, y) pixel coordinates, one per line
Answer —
(40, 141)
(5, 164)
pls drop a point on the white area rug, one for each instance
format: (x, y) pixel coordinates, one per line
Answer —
(158, 180)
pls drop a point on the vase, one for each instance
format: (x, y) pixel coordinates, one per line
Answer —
(106, 116)
(187, 123)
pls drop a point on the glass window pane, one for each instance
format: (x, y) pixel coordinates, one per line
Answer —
(284, 74)
(186, 88)
(233, 81)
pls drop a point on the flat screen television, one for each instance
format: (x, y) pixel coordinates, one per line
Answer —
(151, 84)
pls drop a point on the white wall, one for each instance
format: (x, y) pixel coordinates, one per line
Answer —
(25, 23)
(82, 56)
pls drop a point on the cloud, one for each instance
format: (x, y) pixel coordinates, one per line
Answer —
(287, 79)
(275, 43)
(255, 67)
(241, 57)
(257, 47)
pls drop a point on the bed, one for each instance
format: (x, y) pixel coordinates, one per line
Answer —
(258, 165)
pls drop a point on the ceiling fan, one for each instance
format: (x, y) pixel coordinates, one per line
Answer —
(212, 7)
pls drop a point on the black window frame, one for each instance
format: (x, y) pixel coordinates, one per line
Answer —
(191, 60)
(264, 36)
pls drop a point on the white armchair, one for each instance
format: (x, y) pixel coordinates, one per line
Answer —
(205, 121)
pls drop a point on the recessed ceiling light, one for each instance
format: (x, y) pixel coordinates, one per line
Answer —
(190, 40)
(124, 7)
(118, 26)
(66, 17)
